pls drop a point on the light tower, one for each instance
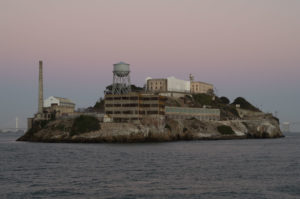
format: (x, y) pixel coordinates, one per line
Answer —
(286, 127)
(121, 79)
(17, 123)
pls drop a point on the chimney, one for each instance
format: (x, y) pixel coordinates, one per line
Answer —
(41, 98)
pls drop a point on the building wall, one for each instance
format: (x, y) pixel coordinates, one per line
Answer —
(157, 85)
(59, 101)
(203, 114)
(172, 84)
(178, 85)
(173, 94)
(134, 106)
(58, 111)
(50, 100)
(200, 87)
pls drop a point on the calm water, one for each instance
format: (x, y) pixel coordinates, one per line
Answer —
(267, 168)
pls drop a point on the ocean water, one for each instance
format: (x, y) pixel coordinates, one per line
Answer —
(256, 168)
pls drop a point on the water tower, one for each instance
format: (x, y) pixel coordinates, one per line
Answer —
(121, 79)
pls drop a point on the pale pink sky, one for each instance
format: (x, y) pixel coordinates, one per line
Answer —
(245, 48)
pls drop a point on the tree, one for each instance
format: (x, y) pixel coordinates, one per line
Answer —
(224, 100)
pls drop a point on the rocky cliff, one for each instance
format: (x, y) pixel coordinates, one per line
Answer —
(236, 123)
(150, 130)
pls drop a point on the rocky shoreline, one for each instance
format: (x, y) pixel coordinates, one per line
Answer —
(236, 122)
(148, 130)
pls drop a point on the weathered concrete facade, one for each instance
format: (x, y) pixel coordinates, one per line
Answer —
(59, 106)
(172, 84)
(201, 87)
(203, 114)
(134, 106)
(157, 85)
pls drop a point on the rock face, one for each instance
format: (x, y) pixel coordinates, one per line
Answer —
(237, 123)
(149, 130)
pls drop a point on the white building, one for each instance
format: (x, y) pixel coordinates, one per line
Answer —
(178, 85)
(59, 101)
(174, 85)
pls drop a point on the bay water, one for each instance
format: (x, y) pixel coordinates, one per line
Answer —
(249, 168)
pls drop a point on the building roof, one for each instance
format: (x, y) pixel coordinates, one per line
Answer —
(121, 62)
(202, 83)
(64, 100)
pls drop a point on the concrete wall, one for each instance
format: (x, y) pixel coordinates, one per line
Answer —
(50, 100)
(134, 106)
(201, 87)
(178, 85)
(204, 114)
(173, 94)
(157, 85)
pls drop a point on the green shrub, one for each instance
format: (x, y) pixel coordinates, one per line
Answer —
(203, 99)
(84, 123)
(60, 127)
(224, 100)
(168, 127)
(225, 130)
(245, 104)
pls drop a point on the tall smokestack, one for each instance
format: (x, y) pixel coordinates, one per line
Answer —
(41, 97)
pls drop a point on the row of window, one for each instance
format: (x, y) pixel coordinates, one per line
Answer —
(66, 104)
(206, 118)
(135, 105)
(192, 110)
(152, 88)
(132, 98)
(152, 83)
(136, 112)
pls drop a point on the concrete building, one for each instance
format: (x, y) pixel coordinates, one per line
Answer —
(157, 85)
(178, 85)
(134, 106)
(165, 86)
(170, 84)
(201, 87)
(203, 114)
(58, 105)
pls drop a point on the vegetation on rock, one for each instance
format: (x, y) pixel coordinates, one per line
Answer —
(99, 106)
(224, 100)
(134, 88)
(244, 104)
(83, 124)
(203, 99)
(225, 130)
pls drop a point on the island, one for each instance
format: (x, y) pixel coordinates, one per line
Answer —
(163, 110)
(239, 120)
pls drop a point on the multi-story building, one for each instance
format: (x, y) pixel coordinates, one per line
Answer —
(134, 106)
(172, 84)
(157, 85)
(201, 87)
